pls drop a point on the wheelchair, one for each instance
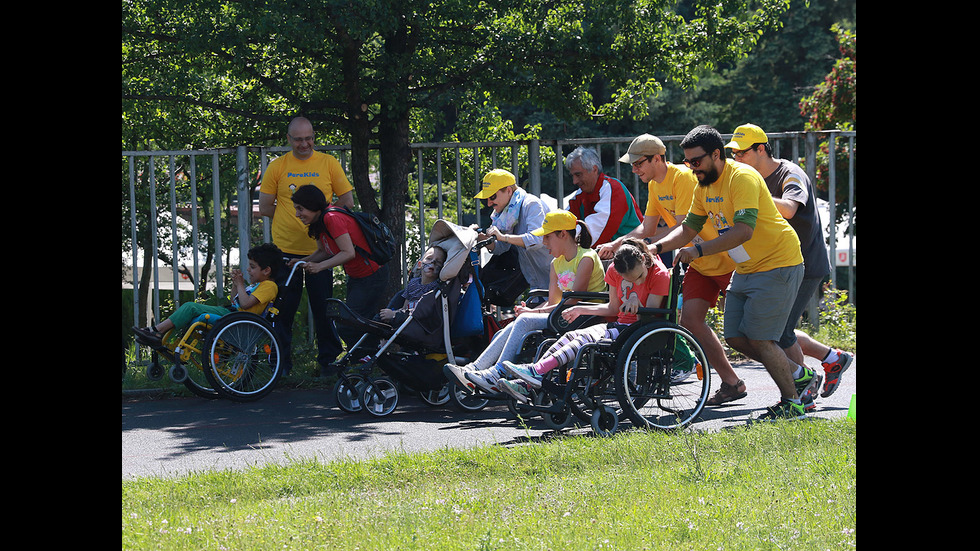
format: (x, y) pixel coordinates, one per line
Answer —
(644, 374)
(234, 356)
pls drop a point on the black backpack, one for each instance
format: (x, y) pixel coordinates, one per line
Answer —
(376, 233)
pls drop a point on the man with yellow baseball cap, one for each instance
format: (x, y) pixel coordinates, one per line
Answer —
(795, 199)
(515, 214)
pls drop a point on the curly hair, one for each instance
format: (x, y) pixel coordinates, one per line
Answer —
(705, 136)
(267, 255)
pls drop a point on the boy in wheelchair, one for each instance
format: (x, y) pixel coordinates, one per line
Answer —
(636, 279)
(263, 264)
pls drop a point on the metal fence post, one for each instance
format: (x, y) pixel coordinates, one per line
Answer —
(244, 205)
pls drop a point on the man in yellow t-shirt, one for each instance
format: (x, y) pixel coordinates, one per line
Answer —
(733, 198)
(670, 192)
(301, 166)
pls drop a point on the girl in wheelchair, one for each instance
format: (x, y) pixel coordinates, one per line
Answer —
(263, 263)
(636, 279)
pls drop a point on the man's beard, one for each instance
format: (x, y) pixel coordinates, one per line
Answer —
(710, 177)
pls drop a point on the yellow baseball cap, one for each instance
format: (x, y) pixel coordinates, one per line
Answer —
(494, 181)
(643, 145)
(556, 220)
(746, 135)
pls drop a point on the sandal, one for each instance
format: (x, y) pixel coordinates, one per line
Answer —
(147, 336)
(728, 393)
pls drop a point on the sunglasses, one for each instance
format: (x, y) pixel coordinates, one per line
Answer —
(695, 162)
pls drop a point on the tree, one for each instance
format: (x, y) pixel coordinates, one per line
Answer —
(359, 69)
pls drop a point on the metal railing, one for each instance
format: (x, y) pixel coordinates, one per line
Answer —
(466, 162)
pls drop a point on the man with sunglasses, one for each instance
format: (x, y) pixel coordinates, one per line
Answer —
(515, 214)
(796, 200)
(733, 198)
(670, 192)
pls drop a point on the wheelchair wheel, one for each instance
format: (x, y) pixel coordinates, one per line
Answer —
(347, 392)
(644, 376)
(605, 421)
(379, 397)
(242, 362)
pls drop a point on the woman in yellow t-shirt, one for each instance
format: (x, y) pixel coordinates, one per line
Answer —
(576, 267)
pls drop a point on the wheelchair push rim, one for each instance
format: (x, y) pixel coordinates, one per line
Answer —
(243, 357)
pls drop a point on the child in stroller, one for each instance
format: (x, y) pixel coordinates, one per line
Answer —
(428, 268)
(447, 321)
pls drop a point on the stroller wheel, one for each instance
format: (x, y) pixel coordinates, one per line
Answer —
(347, 392)
(379, 396)
(438, 396)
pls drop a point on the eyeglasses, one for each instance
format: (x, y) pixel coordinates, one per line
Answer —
(695, 162)
(639, 163)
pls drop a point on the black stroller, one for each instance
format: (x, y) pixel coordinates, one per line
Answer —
(448, 325)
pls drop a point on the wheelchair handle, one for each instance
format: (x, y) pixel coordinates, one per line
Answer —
(291, 272)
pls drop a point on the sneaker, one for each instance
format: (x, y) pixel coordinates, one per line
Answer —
(834, 372)
(806, 387)
(485, 379)
(728, 393)
(524, 372)
(783, 410)
(515, 390)
(458, 376)
(678, 376)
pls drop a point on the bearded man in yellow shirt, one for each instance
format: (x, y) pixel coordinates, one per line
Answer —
(733, 198)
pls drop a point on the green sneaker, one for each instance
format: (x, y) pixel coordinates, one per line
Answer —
(807, 386)
(785, 409)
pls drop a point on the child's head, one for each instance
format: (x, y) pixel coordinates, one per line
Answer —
(432, 262)
(264, 262)
(562, 224)
(632, 260)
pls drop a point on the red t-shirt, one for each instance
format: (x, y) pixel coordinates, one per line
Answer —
(657, 282)
(338, 224)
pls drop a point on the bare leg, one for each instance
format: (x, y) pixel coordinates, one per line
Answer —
(693, 314)
(779, 366)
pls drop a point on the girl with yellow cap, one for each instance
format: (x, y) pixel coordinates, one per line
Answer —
(575, 267)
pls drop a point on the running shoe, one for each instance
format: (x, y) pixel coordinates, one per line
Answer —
(484, 379)
(806, 387)
(678, 376)
(458, 374)
(524, 372)
(834, 372)
(785, 409)
(515, 390)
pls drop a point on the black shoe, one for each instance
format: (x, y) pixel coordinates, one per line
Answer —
(147, 336)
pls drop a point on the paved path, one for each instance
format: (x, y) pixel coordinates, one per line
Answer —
(166, 437)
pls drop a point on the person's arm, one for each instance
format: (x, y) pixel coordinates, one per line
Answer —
(267, 204)
(245, 300)
(345, 254)
(611, 308)
(647, 228)
(737, 235)
(345, 200)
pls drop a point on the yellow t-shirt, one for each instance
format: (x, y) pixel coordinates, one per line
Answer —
(741, 195)
(286, 173)
(264, 291)
(566, 269)
(675, 194)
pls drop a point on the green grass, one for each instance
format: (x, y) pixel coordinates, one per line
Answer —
(787, 485)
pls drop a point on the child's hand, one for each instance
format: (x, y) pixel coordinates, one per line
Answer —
(630, 305)
(386, 314)
(236, 276)
(571, 313)
(521, 308)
